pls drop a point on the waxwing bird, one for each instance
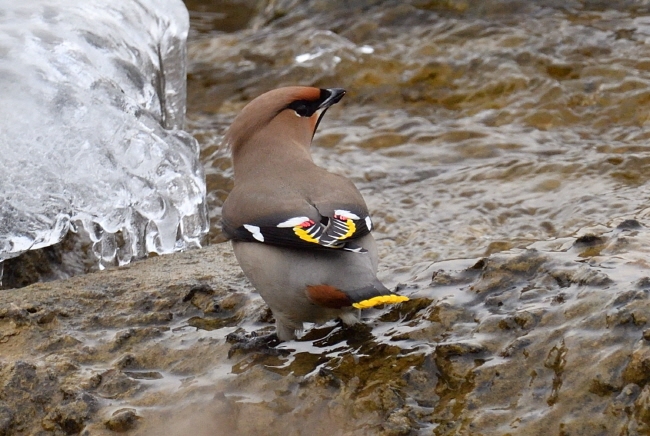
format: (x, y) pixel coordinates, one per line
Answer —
(300, 233)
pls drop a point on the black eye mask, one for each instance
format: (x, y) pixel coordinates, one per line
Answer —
(305, 108)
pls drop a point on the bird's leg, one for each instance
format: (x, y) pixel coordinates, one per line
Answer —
(350, 318)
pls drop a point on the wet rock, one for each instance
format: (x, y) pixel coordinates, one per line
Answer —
(590, 245)
(198, 294)
(449, 315)
(431, 360)
(39, 401)
(397, 423)
(135, 335)
(589, 240)
(589, 277)
(47, 317)
(602, 388)
(18, 379)
(122, 420)
(264, 344)
(445, 278)
(637, 370)
(456, 363)
(144, 375)
(71, 416)
(70, 257)
(556, 361)
(517, 346)
(128, 361)
(629, 224)
(116, 384)
(626, 397)
(642, 409)
(406, 311)
(643, 283)
(6, 419)
(31, 267)
(65, 341)
(626, 297)
(423, 383)
(500, 274)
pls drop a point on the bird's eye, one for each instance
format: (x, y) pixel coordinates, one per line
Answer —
(302, 108)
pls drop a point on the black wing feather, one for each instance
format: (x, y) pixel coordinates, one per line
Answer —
(339, 232)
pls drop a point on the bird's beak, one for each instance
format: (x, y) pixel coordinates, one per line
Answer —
(335, 95)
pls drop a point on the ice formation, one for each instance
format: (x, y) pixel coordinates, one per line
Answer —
(92, 106)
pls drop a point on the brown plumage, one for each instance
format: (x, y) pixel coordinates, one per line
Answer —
(300, 233)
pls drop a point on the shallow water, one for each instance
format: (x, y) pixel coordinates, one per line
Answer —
(469, 129)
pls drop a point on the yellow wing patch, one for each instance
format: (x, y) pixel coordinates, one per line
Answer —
(338, 231)
(381, 299)
(351, 229)
(304, 234)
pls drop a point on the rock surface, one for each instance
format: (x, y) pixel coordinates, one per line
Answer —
(548, 340)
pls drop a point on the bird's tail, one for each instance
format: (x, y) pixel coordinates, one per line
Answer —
(374, 295)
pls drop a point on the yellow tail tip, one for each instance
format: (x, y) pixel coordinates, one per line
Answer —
(382, 299)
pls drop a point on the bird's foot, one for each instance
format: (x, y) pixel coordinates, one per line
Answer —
(246, 343)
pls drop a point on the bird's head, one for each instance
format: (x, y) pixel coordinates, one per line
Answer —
(282, 116)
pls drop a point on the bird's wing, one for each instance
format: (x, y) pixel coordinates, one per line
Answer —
(335, 228)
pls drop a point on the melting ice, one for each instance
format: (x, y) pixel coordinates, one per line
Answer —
(92, 106)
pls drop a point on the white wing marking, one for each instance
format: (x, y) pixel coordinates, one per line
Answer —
(255, 231)
(292, 222)
(346, 213)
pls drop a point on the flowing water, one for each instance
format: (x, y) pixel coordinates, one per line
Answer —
(470, 129)
(511, 129)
